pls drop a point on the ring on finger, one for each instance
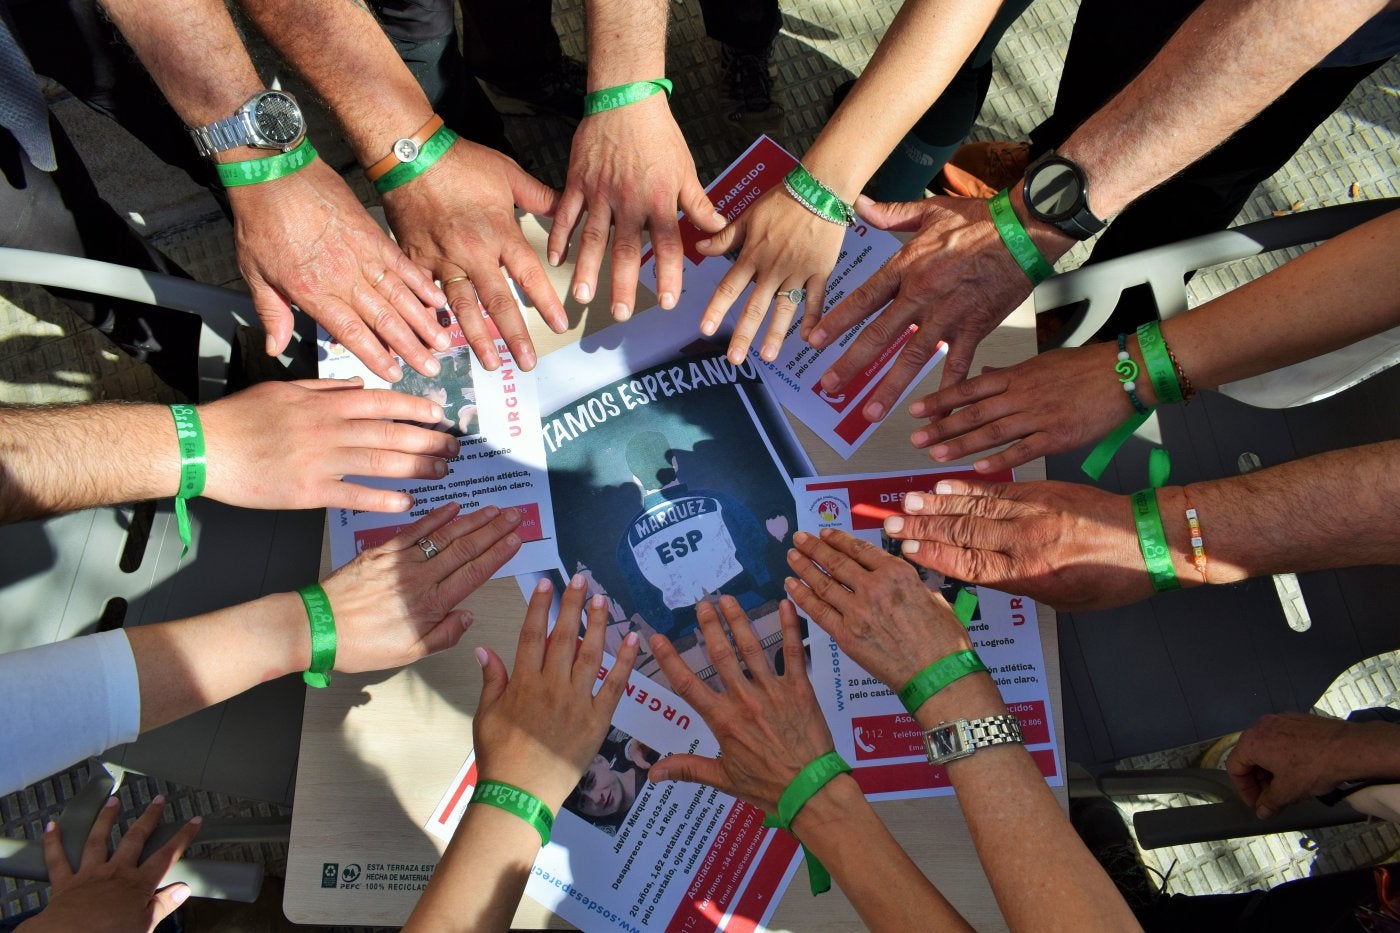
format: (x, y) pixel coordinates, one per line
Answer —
(795, 295)
(455, 278)
(380, 277)
(428, 548)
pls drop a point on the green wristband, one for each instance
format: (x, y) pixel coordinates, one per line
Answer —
(522, 803)
(964, 606)
(818, 198)
(190, 435)
(1018, 241)
(254, 171)
(318, 613)
(610, 98)
(1152, 540)
(938, 675)
(428, 154)
(1159, 363)
(803, 788)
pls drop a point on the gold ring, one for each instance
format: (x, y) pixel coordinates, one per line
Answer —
(381, 278)
(455, 278)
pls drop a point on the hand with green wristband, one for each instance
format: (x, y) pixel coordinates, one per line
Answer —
(535, 731)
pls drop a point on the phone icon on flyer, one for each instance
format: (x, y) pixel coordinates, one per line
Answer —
(859, 736)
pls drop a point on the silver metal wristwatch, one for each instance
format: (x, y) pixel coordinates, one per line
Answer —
(949, 741)
(269, 120)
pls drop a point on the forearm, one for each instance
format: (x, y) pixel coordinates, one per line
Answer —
(626, 41)
(1041, 873)
(481, 877)
(340, 49)
(886, 888)
(64, 458)
(1175, 111)
(926, 44)
(193, 663)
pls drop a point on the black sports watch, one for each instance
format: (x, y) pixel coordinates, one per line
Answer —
(1057, 192)
(269, 120)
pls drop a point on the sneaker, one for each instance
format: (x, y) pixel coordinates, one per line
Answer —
(748, 81)
(980, 170)
(557, 90)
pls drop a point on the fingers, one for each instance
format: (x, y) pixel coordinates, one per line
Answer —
(592, 244)
(95, 846)
(486, 551)
(747, 643)
(530, 650)
(372, 299)
(524, 267)
(795, 660)
(159, 862)
(566, 218)
(718, 647)
(626, 264)
(275, 312)
(590, 649)
(916, 353)
(783, 310)
(564, 641)
(165, 901)
(812, 309)
(466, 308)
(726, 293)
(494, 678)
(937, 406)
(342, 323)
(690, 768)
(616, 681)
(55, 859)
(529, 193)
(698, 207)
(683, 680)
(893, 216)
(495, 296)
(670, 258)
(133, 841)
(411, 291)
(425, 526)
(872, 295)
(730, 237)
(755, 310)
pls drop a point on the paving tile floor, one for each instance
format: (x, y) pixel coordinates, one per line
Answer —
(46, 354)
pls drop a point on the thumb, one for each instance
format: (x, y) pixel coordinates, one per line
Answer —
(698, 207)
(693, 768)
(723, 241)
(891, 215)
(494, 678)
(447, 632)
(531, 194)
(164, 901)
(276, 316)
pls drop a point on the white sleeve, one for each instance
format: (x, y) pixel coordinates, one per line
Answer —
(64, 702)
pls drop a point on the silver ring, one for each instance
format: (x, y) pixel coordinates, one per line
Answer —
(428, 548)
(795, 295)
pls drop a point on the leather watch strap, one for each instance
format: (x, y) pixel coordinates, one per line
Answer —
(409, 151)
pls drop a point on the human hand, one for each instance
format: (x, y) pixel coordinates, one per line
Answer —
(393, 605)
(120, 893)
(1066, 544)
(874, 605)
(1053, 402)
(290, 445)
(784, 246)
(458, 219)
(539, 727)
(1285, 757)
(304, 239)
(954, 279)
(629, 168)
(769, 726)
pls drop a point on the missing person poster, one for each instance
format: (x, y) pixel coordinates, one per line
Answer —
(631, 855)
(794, 377)
(671, 484)
(871, 727)
(501, 463)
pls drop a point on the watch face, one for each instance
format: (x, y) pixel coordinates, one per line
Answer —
(946, 742)
(1055, 192)
(278, 118)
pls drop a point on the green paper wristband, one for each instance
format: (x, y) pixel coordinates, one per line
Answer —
(256, 171)
(428, 154)
(610, 98)
(189, 433)
(1018, 241)
(818, 198)
(938, 675)
(322, 620)
(519, 802)
(803, 788)
(1152, 540)
(1159, 363)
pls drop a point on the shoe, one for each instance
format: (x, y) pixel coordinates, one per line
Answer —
(748, 80)
(980, 170)
(557, 90)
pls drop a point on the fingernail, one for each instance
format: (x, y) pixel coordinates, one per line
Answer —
(112, 802)
(632, 640)
(982, 466)
(526, 358)
(597, 601)
(917, 409)
(480, 656)
(942, 488)
(817, 336)
(874, 411)
(1264, 813)
(582, 293)
(769, 354)
(513, 541)
(940, 452)
(439, 468)
(431, 367)
(544, 586)
(668, 300)
(799, 536)
(829, 380)
(721, 218)
(790, 582)
(270, 346)
(181, 892)
(435, 412)
(405, 503)
(490, 511)
(894, 524)
(576, 582)
(467, 618)
(913, 502)
(737, 357)
(50, 826)
(703, 244)
(395, 372)
(910, 546)
(512, 515)
(442, 342)
(454, 446)
(196, 821)
(621, 312)
(659, 774)
(157, 801)
(554, 259)
(708, 328)
(919, 439)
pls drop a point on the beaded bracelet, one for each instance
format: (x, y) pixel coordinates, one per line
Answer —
(1018, 241)
(1188, 391)
(818, 198)
(1127, 372)
(1198, 543)
(610, 98)
(255, 171)
(428, 155)
(819, 773)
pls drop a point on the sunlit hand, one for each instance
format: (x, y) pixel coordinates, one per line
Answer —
(1066, 544)
(874, 605)
(305, 240)
(954, 279)
(458, 219)
(393, 605)
(769, 726)
(1053, 402)
(539, 727)
(289, 445)
(117, 894)
(784, 246)
(629, 168)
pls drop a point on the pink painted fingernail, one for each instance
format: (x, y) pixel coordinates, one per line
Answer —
(633, 639)
(913, 501)
(50, 826)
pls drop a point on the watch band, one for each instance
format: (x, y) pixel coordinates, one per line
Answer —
(404, 150)
(962, 737)
(223, 135)
(242, 129)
